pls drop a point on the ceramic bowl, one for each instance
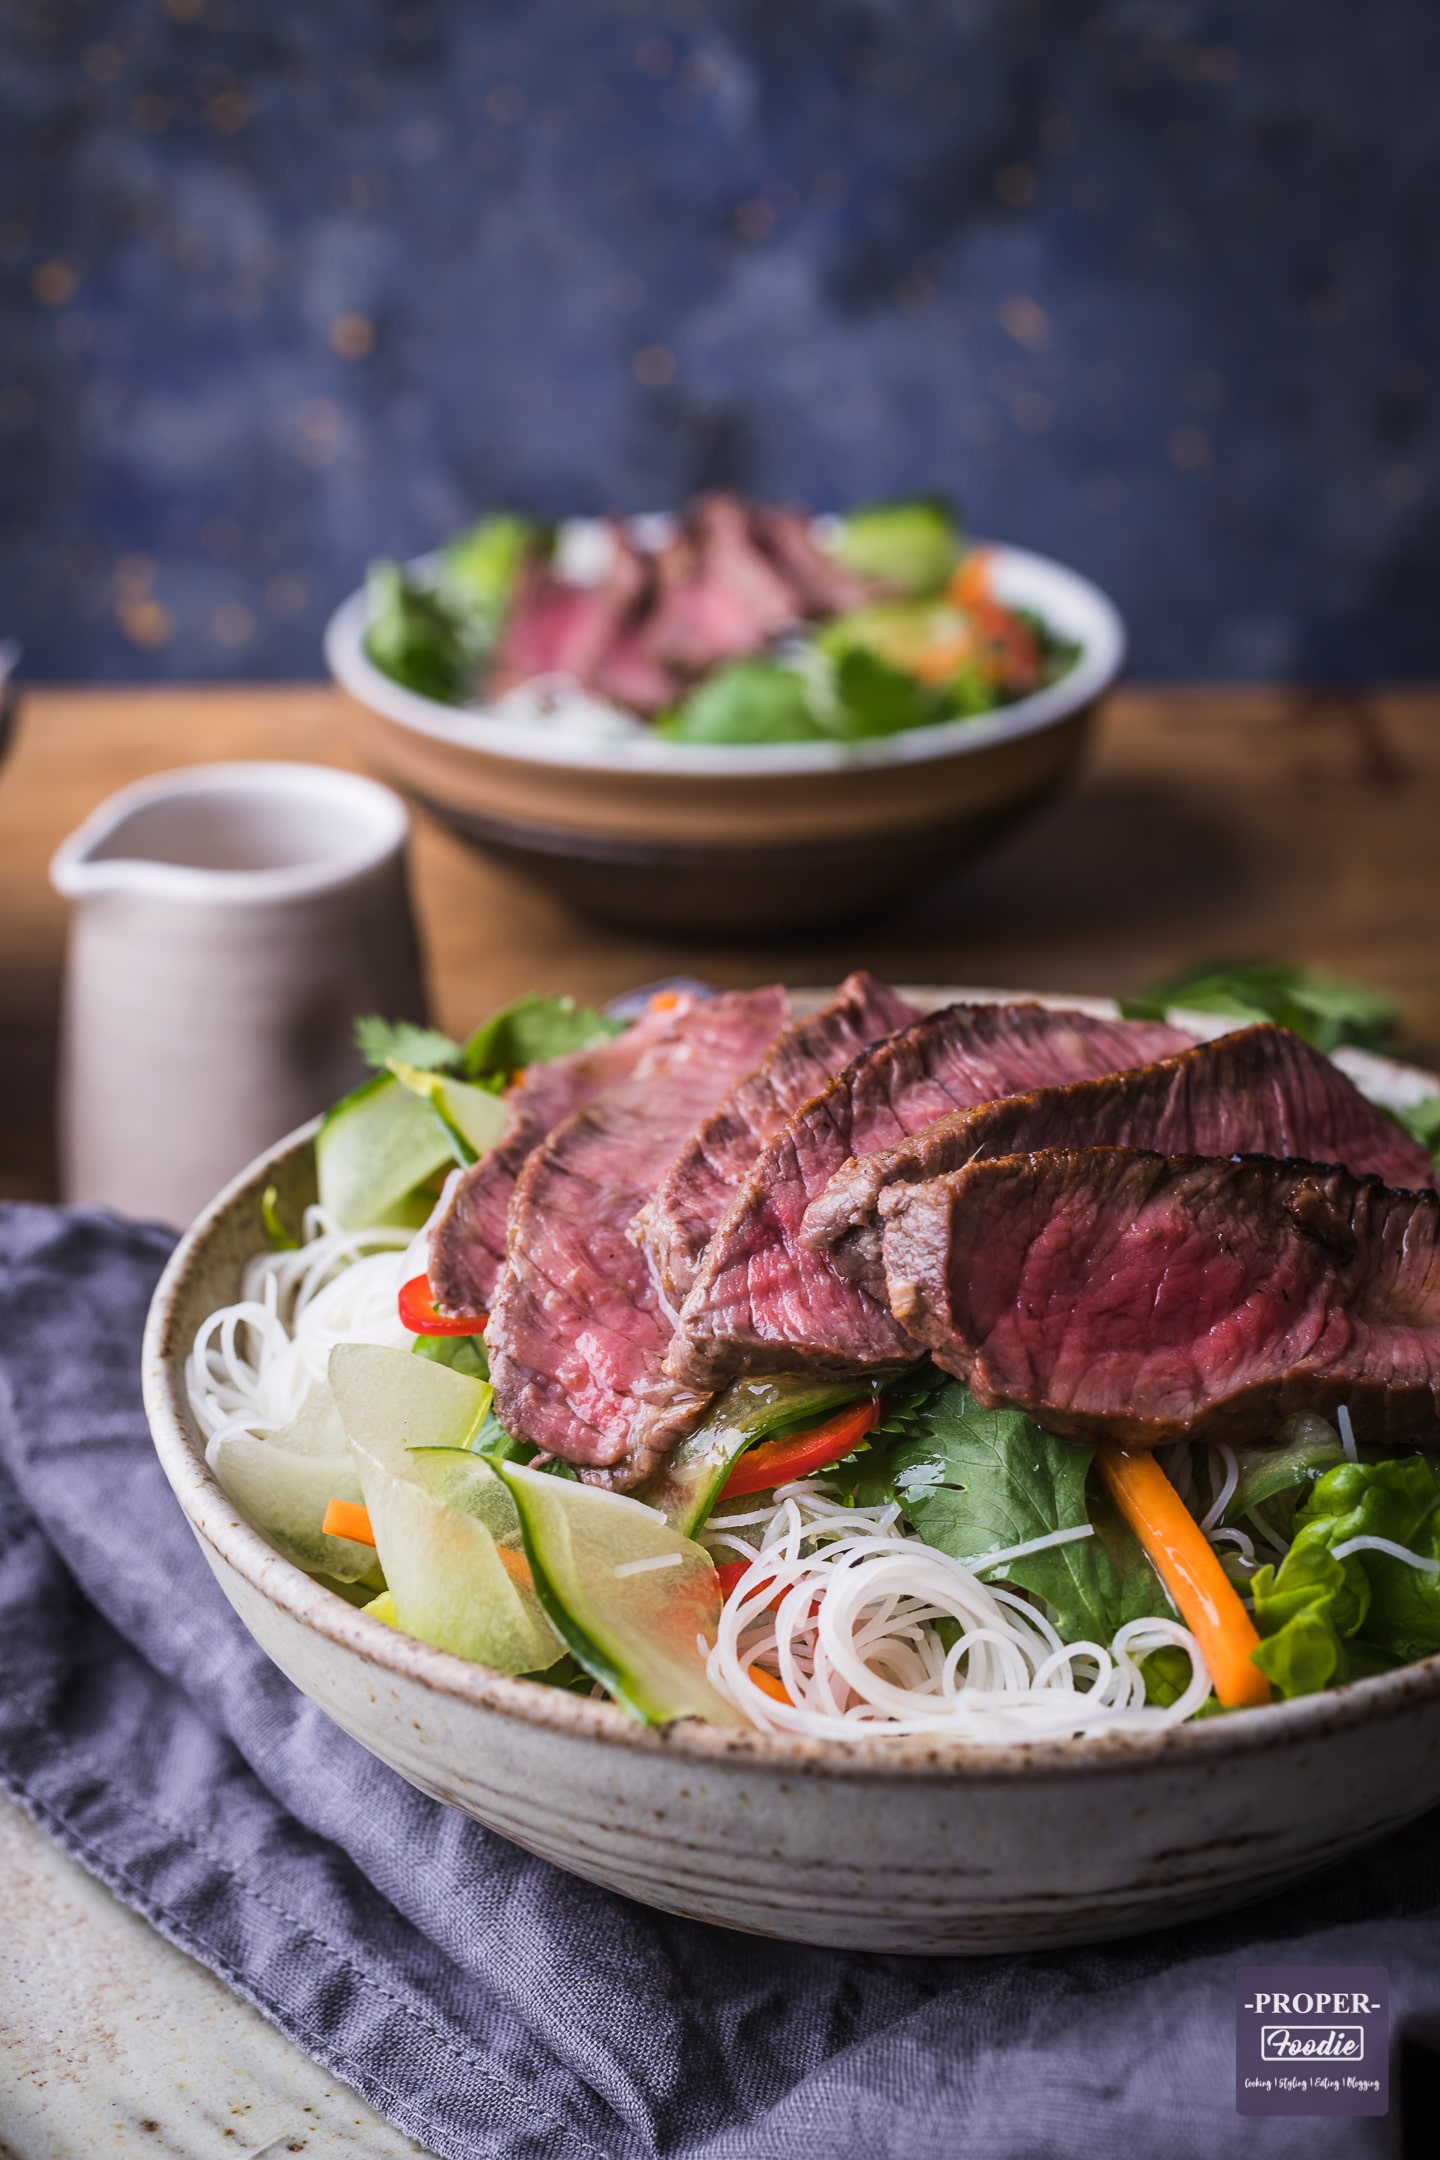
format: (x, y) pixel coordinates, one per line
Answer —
(720, 842)
(884, 1845)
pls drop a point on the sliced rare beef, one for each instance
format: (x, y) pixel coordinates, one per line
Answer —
(720, 598)
(1261, 1091)
(467, 1240)
(822, 584)
(1119, 1294)
(678, 1223)
(589, 632)
(761, 1300)
(578, 1330)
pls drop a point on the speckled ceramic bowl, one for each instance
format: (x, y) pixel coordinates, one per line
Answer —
(741, 841)
(905, 1845)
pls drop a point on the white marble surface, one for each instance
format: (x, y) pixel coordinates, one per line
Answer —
(113, 2042)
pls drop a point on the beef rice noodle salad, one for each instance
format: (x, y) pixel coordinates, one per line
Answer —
(996, 1371)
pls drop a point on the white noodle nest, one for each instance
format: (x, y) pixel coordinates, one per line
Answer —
(254, 1362)
(843, 1603)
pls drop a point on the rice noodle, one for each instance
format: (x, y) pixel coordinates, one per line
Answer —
(254, 1362)
(1347, 1432)
(843, 1603)
(1227, 1486)
(1385, 1545)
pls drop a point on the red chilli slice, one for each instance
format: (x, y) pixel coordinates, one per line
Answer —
(419, 1313)
(776, 1462)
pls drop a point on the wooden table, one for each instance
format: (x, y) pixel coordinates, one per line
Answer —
(1210, 822)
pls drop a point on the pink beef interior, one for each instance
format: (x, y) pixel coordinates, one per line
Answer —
(1260, 1091)
(700, 1185)
(1118, 1293)
(762, 1301)
(578, 1331)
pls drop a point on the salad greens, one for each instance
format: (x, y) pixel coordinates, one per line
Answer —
(1323, 1615)
(432, 637)
(939, 646)
(751, 701)
(1327, 1010)
(974, 1481)
(382, 1153)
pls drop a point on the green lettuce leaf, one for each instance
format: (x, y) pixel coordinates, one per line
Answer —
(1398, 1500)
(414, 637)
(751, 701)
(872, 698)
(531, 1031)
(1306, 1610)
(1326, 1009)
(974, 1481)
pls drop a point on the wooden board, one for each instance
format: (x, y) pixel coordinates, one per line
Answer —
(1210, 822)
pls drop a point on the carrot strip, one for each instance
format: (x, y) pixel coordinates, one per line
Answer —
(768, 1684)
(1186, 1563)
(346, 1518)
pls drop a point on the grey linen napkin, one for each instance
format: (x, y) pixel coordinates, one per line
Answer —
(485, 2002)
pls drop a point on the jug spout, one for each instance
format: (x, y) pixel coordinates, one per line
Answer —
(239, 833)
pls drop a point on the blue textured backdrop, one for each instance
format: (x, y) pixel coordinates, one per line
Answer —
(1147, 284)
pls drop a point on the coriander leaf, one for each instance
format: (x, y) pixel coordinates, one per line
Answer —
(751, 701)
(974, 1481)
(378, 1041)
(531, 1031)
(1326, 1009)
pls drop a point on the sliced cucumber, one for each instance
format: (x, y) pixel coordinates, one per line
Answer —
(633, 1600)
(689, 1483)
(284, 1494)
(473, 1117)
(374, 1151)
(447, 1530)
(390, 1400)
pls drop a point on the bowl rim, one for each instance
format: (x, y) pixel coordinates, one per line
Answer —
(216, 1522)
(1086, 614)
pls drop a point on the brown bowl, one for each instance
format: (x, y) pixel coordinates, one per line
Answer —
(717, 842)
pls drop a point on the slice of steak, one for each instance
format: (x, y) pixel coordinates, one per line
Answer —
(761, 1300)
(467, 1238)
(1119, 1294)
(675, 1227)
(578, 1331)
(1260, 1091)
(822, 583)
(555, 627)
(719, 598)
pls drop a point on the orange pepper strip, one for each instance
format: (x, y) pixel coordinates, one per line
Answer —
(346, 1518)
(663, 1000)
(1186, 1563)
(768, 1684)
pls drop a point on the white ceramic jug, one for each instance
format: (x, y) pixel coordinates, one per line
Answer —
(229, 923)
